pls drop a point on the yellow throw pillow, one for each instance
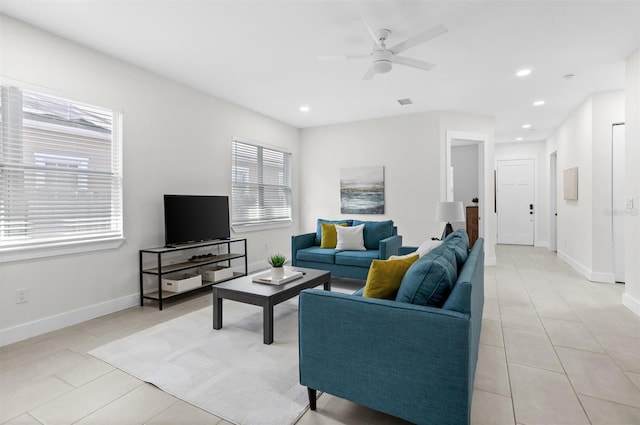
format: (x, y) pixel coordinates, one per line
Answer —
(329, 235)
(385, 277)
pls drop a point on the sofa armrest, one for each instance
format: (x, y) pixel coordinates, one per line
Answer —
(305, 240)
(404, 250)
(406, 360)
(390, 246)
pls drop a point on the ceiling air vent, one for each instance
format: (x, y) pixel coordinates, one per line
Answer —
(405, 102)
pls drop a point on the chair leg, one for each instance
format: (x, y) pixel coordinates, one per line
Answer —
(312, 398)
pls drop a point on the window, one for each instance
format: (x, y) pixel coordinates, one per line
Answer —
(60, 171)
(260, 185)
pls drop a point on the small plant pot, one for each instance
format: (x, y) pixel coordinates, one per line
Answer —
(277, 272)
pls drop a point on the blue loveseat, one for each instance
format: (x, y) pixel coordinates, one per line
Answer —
(413, 361)
(381, 241)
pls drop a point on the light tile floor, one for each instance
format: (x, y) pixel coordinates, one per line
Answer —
(555, 349)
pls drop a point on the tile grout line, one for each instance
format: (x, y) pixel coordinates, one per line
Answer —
(575, 393)
(513, 407)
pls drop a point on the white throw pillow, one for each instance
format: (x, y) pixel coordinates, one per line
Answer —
(423, 249)
(350, 238)
(427, 246)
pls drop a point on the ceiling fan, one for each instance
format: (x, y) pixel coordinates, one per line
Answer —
(384, 57)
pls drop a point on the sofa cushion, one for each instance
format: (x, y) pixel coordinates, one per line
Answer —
(319, 227)
(329, 237)
(375, 231)
(317, 254)
(430, 279)
(458, 234)
(448, 253)
(356, 258)
(350, 238)
(385, 276)
(458, 242)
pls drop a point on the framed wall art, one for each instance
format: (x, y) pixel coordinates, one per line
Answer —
(571, 184)
(362, 190)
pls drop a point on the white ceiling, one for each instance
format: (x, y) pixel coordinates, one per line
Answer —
(263, 54)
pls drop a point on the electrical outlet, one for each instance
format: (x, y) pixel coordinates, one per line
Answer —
(629, 203)
(22, 295)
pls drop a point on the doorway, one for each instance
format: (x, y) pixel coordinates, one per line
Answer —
(515, 194)
(618, 202)
(463, 147)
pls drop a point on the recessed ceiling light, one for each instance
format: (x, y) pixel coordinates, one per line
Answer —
(568, 76)
(304, 108)
(406, 101)
(526, 126)
(538, 103)
(523, 72)
(519, 139)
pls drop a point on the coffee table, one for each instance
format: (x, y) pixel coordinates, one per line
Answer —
(244, 290)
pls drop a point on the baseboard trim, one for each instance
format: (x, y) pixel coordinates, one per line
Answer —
(631, 303)
(589, 274)
(541, 244)
(59, 321)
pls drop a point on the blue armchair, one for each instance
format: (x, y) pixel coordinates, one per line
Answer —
(411, 361)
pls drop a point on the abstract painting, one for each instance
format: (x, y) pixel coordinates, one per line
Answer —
(362, 190)
(571, 184)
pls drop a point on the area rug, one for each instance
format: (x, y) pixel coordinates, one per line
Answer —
(227, 372)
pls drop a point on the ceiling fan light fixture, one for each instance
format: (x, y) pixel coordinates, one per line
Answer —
(382, 66)
(382, 61)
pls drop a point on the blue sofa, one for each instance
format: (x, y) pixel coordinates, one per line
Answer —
(416, 362)
(380, 238)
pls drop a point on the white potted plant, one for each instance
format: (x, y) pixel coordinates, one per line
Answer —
(277, 263)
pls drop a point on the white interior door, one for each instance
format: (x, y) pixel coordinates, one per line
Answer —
(515, 201)
(618, 200)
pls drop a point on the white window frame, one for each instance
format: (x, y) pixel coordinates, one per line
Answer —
(261, 223)
(13, 250)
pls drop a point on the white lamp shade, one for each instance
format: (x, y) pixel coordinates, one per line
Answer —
(449, 212)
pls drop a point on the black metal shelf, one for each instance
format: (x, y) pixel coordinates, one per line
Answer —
(161, 269)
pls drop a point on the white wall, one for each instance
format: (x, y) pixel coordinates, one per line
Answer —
(176, 140)
(631, 297)
(608, 108)
(533, 150)
(410, 147)
(584, 226)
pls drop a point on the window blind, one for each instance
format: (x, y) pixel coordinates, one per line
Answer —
(60, 170)
(261, 185)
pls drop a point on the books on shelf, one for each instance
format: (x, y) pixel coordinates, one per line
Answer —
(265, 277)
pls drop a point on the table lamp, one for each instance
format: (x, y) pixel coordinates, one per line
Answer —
(448, 212)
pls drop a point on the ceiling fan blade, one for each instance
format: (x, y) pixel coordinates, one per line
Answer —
(420, 38)
(365, 31)
(415, 63)
(370, 74)
(332, 58)
(343, 58)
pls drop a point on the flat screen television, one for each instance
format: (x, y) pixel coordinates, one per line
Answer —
(195, 218)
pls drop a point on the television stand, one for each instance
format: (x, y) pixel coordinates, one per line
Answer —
(162, 263)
